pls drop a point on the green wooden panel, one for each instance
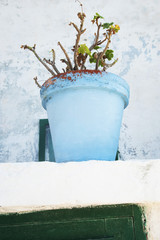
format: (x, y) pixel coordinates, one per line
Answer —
(113, 222)
(71, 230)
(62, 230)
(109, 211)
(42, 132)
(139, 223)
(121, 228)
(45, 141)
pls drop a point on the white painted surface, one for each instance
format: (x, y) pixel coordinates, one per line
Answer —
(39, 186)
(79, 184)
(152, 213)
(45, 23)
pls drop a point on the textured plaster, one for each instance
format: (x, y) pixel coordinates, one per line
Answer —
(45, 23)
(79, 184)
(29, 187)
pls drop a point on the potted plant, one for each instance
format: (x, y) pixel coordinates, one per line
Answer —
(84, 106)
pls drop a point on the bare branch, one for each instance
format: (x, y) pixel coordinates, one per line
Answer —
(53, 55)
(36, 82)
(65, 53)
(107, 65)
(80, 5)
(32, 49)
(80, 32)
(97, 36)
(65, 61)
(105, 49)
(96, 42)
(52, 64)
(100, 42)
(75, 26)
(83, 31)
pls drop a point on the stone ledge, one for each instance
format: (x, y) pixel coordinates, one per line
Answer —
(79, 183)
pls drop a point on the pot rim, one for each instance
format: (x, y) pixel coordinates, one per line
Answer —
(85, 79)
(52, 80)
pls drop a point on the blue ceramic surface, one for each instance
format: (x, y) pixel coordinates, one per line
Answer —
(85, 113)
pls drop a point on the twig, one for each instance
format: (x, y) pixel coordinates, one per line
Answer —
(32, 49)
(80, 5)
(65, 53)
(36, 82)
(53, 55)
(102, 41)
(74, 25)
(52, 64)
(65, 61)
(80, 32)
(97, 36)
(105, 49)
(108, 65)
(96, 42)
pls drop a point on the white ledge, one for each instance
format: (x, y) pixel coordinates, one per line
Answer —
(78, 184)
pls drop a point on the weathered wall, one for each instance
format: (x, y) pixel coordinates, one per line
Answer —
(40, 21)
(99, 183)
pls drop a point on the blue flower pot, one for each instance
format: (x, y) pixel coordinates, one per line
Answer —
(85, 111)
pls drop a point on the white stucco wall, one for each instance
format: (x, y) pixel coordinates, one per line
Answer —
(40, 186)
(45, 23)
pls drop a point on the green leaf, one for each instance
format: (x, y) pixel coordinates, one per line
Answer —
(93, 54)
(84, 49)
(107, 25)
(92, 60)
(96, 47)
(109, 54)
(109, 51)
(100, 63)
(97, 16)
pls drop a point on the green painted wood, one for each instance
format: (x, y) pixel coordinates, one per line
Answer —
(122, 210)
(48, 140)
(113, 222)
(120, 228)
(117, 155)
(58, 230)
(42, 132)
(139, 224)
(45, 137)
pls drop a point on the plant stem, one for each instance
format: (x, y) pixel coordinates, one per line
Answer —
(74, 25)
(105, 49)
(36, 82)
(108, 65)
(94, 44)
(65, 53)
(32, 49)
(52, 64)
(76, 44)
(65, 61)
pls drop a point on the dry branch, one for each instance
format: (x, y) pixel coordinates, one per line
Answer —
(108, 65)
(96, 42)
(75, 26)
(65, 53)
(80, 32)
(65, 61)
(105, 49)
(36, 82)
(32, 49)
(52, 64)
